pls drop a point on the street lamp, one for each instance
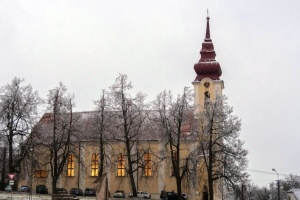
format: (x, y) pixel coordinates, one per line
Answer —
(278, 184)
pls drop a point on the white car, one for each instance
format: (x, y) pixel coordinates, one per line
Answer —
(8, 188)
(142, 194)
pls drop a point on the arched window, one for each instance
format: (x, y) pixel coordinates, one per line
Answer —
(206, 95)
(71, 165)
(147, 165)
(40, 174)
(95, 165)
(121, 165)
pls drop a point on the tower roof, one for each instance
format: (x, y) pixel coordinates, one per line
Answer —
(207, 65)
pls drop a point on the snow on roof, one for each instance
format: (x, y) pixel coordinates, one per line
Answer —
(86, 126)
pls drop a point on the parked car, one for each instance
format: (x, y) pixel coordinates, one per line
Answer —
(142, 194)
(41, 189)
(89, 192)
(24, 188)
(8, 188)
(76, 192)
(61, 191)
(119, 194)
(164, 195)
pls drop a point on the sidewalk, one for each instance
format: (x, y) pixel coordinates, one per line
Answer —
(26, 196)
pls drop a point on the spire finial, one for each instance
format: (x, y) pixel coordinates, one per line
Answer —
(207, 36)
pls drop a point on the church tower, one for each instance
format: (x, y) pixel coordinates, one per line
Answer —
(207, 83)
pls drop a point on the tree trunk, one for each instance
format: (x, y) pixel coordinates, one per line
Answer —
(210, 186)
(3, 169)
(178, 183)
(130, 172)
(210, 169)
(54, 181)
(10, 151)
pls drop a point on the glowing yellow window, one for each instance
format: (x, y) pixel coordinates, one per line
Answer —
(71, 165)
(121, 165)
(40, 174)
(148, 165)
(95, 165)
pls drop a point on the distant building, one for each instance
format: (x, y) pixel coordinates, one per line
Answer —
(293, 194)
(81, 170)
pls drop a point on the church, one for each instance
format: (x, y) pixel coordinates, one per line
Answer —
(81, 170)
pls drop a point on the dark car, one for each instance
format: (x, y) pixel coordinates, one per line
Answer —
(76, 192)
(169, 196)
(41, 189)
(164, 195)
(61, 191)
(89, 192)
(24, 188)
(119, 194)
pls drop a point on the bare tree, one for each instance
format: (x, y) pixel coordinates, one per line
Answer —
(261, 194)
(224, 157)
(129, 119)
(175, 119)
(18, 115)
(290, 181)
(58, 128)
(257, 193)
(102, 124)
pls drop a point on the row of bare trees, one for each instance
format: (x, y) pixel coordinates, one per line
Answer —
(128, 119)
(288, 185)
(216, 129)
(19, 114)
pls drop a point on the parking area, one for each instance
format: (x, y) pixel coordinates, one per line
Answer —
(25, 196)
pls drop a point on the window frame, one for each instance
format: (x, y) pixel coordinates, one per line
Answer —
(71, 166)
(40, 174)
(147, 170)
(121, 165)
(95, 165)
(206, 95)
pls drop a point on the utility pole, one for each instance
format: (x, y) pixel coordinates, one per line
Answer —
(242, 198)
(278, 184)
(278, 187)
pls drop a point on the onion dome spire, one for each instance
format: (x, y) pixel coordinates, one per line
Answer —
(207, 65)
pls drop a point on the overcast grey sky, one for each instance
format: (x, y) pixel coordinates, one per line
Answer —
(86, 44)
